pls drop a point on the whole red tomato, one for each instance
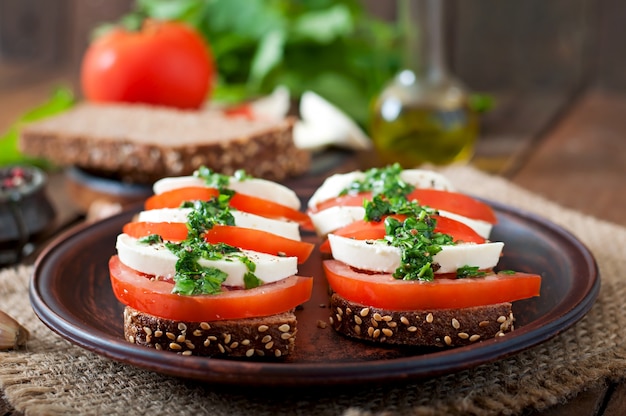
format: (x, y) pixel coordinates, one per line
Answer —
(165, 63)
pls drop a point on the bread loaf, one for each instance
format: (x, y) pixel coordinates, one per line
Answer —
(139, 143)
(271, 336)
(424, 328)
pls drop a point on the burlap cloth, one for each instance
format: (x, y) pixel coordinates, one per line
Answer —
(54, 377)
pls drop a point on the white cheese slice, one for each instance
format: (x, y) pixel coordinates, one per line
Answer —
(335, 184)
(378, 256)
(333, 218)
(260, 188)
(156, 259)
(285, 229)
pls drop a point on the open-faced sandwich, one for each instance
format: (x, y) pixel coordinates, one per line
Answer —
(411, 262)
(210, 267)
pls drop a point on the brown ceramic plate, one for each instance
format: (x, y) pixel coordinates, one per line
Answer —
(71, 294)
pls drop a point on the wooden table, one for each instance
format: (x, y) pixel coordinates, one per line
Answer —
(572, 151)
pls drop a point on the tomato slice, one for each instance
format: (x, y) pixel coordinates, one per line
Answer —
(251, 239)
(138, 291)
(171, 231)
(374, 230)
(251, 204)
(383, 291)
(454, 202)
(244, 238)
(458, 203)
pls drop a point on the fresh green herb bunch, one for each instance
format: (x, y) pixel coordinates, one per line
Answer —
(381, 181)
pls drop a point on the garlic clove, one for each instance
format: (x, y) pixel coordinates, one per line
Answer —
(12, 334)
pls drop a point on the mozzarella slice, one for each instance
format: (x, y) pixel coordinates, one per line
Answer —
(156, 259)
(260, 188)
(285, 229)
(378, 256)
(333, 218)
(335, 184)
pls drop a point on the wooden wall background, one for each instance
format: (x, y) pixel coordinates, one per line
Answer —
(535, 56)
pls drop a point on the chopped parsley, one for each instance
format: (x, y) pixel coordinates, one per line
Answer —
(218, 180)
(469, 271)
(381, 181)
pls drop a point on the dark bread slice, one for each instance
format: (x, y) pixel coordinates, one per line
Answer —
(271, 336)
(141, 144)
(424, 328)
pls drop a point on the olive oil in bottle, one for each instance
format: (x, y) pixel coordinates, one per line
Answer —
(423, 114)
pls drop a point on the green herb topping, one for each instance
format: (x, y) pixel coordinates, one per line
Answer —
(381, 181)
(218, 180)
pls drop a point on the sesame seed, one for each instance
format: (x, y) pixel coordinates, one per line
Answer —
(269, 345)
(284, 328)
(182, 326)
(364, 312)
(483, 324)
(170, 335)
(158, 333)
(131, 339)
(221, 348)
(412, 328)
(186, 352)
(148, 338)
(212, 337)
(392, 324)
(358, 320)
(331, 320)
(463, 335)
(277, 353)
(263, 328)
(245, 342)
(175, 346)
(206, 342)
(370, 331)
(338, 316)
(348, 311)
(227, 338)
(205, 326)
(197, 333)
(234, 345)
(374, 322)
(429, 318)
(180, 338)
(447, 340)
(404, 320)
(376, 333)
(266, 338)
(377, 317)
(287, 335)
(190, 345)
(357, 329)
(339, 311)
(455, 323)
(260, 353)
(501, 319)
(250, 352)
(388, 332)
(387, 318)
(158, 347)
(474, 338)
(147, 330)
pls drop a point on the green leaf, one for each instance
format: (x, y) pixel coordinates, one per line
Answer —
(324, 26)
(268, 55)
(61, 100)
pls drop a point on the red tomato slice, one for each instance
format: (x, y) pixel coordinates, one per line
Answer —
(251, 239)
(374, 230)
(444, 200)
(244, 238)
(138, 291)
(171, 231)
(246, 203)
(383, 291)
(454, 202)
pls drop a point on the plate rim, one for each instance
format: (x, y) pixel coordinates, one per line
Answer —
(313, 373)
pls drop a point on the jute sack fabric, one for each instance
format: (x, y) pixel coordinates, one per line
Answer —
(53, 377)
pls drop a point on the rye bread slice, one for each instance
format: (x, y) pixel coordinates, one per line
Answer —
(141, 144)
(268, 337)
(423, 328)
